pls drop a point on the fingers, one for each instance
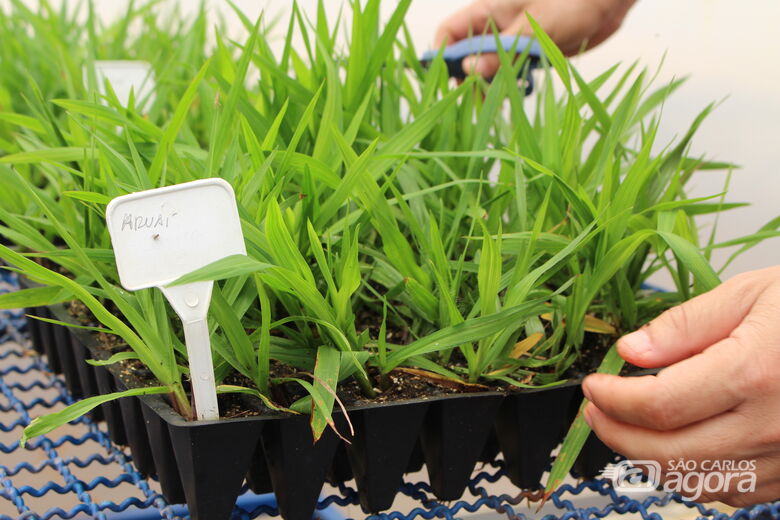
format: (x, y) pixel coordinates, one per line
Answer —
(765, 492)
(718, 402)
(475, 20)
(486, 65)
(706, 440)
(684, 393)
(472, 19)
(724, 438)
(689, 328)
(767, 485)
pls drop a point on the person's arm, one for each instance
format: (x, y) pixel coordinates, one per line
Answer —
(574, 25)
(719, 398)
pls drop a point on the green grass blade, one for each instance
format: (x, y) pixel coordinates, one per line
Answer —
(43, 425)
(579, 431)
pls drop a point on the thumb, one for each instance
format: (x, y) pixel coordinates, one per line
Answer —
(688, 329)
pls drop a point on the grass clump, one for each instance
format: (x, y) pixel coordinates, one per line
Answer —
(392, 217)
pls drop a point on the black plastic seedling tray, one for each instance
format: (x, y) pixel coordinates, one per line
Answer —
(205, 463)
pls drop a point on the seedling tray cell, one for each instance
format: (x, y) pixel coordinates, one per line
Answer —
(111, 410)
(213, 460)
(530, 425)
(137, 438)
(163, 455)
(22, 480)
(34, 328)
(67, 360)
(381, 450)
(453, 437)
(48, 341)
(340, 470)
(87, 377)
(204, 463)
(297, 465)
(258, 478)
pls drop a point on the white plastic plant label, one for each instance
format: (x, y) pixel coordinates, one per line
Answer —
(159, 235)
(162, 234)
(126, 76)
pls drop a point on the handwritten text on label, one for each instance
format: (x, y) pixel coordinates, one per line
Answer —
(138, 222)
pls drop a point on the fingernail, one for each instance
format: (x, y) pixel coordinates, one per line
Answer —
(586, 388)
(637, 343)
(587, 415)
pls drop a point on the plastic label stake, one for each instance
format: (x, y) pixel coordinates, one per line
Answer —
(162, 234)
(124, 76)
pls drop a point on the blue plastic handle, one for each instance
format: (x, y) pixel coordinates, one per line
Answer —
(454, 54)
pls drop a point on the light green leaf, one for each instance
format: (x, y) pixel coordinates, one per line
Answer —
(234, 389)
(47, 155)
(45, 424)
(579, 430)
(116, 358)
(228, 267)
(326, 372)
(693, 260)
(34, 297)
(88, 196)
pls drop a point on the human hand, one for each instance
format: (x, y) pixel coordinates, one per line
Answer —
(570, 23)
(719, 398)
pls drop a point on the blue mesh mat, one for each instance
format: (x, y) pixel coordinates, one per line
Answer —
(57, 466)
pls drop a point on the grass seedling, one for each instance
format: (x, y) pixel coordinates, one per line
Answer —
(393, 219)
